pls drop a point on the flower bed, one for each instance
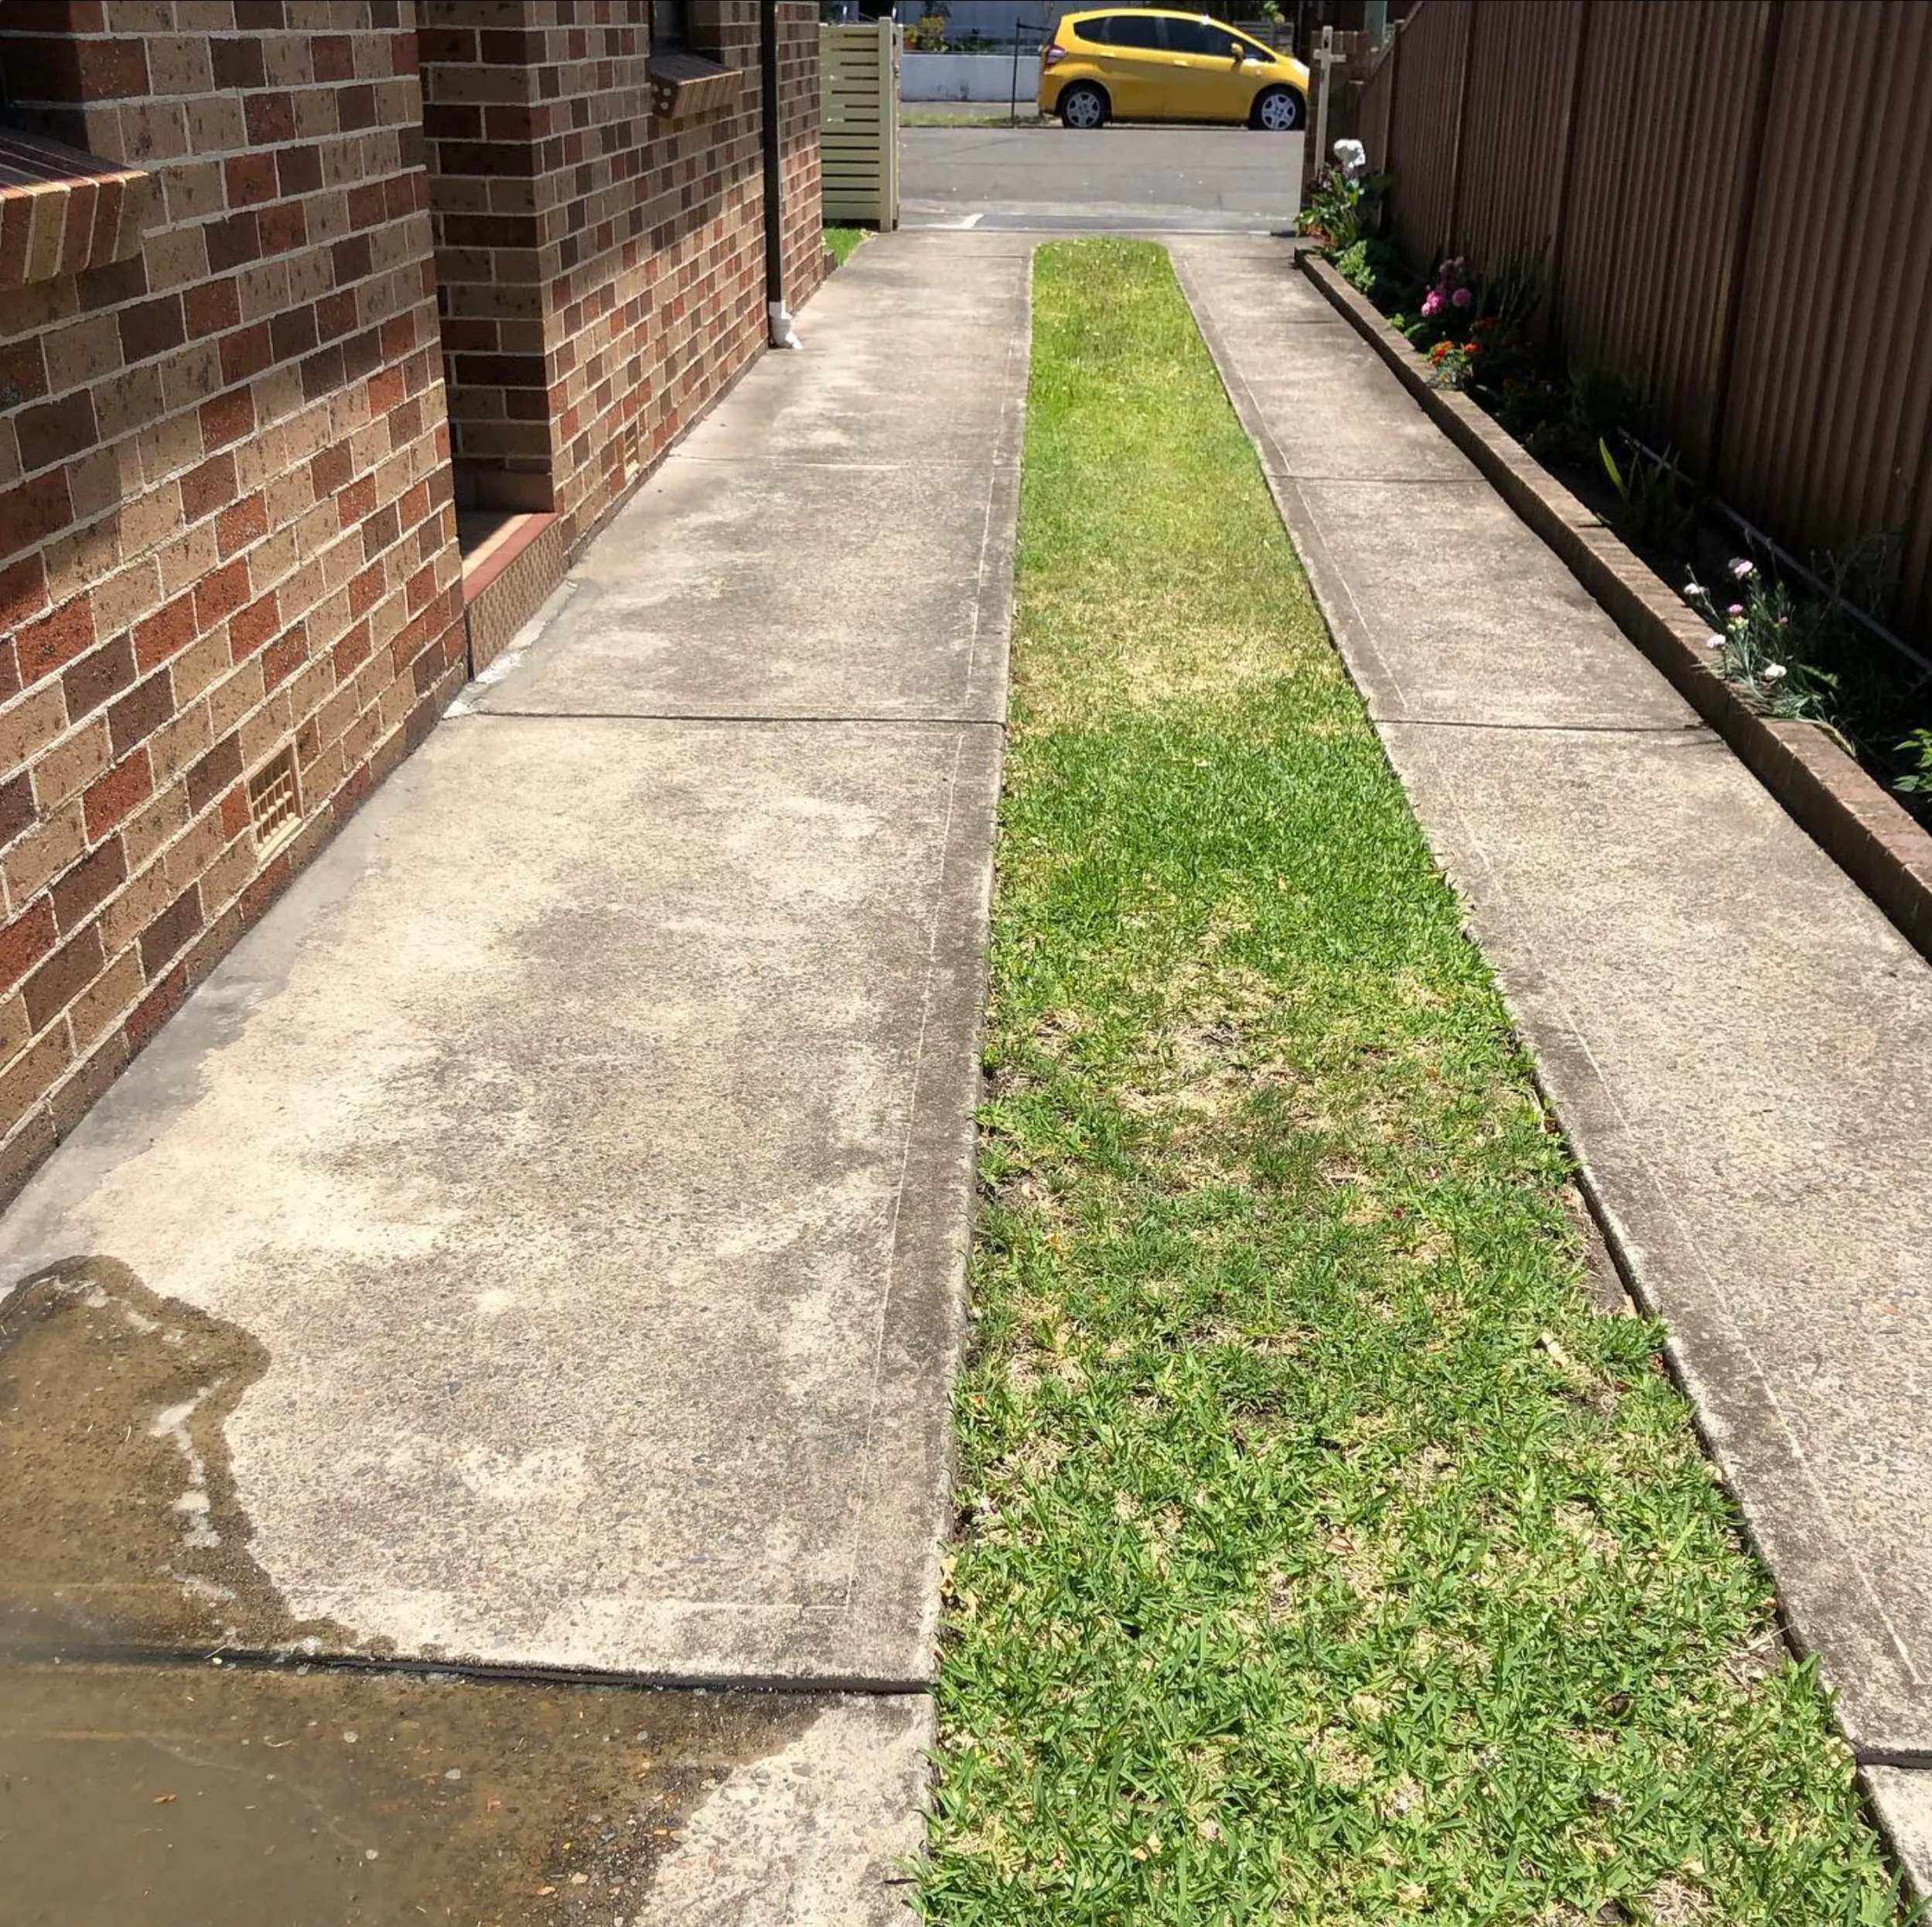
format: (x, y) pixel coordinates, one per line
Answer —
(1795, 644)
(1860, 825)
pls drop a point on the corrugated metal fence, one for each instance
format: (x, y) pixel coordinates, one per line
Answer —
(1727, 202)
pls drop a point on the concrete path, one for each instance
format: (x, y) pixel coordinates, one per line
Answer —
(1738, 1042)
(575, 1166)
(1116, 179)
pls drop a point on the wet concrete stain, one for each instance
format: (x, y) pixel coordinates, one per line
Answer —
(181, 1795)
(186, 1790)
(118, 1512)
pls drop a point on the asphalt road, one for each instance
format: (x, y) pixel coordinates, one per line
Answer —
(1186, 179)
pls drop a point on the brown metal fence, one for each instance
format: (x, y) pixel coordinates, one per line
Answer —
(1728, 203)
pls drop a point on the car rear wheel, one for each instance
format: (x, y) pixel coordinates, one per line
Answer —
(1083, 105)
(1278, 110)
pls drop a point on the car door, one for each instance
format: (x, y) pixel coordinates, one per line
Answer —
(1207, 80)
(1136, 67)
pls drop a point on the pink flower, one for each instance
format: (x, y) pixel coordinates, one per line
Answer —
(1736, 609)
(1461, 298)
(1432, 302)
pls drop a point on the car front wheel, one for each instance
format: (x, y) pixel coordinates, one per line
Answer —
(1083, 106)
(1278, 110)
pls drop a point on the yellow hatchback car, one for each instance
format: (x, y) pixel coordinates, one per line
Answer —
(1136, 64)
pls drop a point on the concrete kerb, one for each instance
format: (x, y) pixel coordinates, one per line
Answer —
(1868, 834)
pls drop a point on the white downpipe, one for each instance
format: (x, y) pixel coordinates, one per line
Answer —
(783, 334)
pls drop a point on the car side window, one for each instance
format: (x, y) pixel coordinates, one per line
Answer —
(1134, 30)
(1094, 32)
(1197, 36)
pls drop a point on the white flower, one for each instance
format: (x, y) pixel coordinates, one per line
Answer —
(1694, 592)
(1741, 569)
(1714, 640)
(1773, 672)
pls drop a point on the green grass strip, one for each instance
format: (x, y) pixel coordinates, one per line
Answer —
(843, 242)
(1324, 1555)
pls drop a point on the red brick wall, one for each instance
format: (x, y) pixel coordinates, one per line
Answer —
(648, 237)
(226, 526)
(224, 506)
(479, 64)
(798, 101)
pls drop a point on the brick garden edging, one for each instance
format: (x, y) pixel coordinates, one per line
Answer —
(1850, 816)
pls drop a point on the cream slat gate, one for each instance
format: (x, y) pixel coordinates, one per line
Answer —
(859, 131)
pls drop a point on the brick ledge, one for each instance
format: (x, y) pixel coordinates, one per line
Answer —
(62, 211)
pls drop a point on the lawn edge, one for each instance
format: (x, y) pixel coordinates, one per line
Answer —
(1895, 1787)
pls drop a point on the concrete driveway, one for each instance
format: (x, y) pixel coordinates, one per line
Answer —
(1160, 180)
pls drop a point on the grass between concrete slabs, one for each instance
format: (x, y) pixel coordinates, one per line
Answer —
(1323, 1554)
(843, 241)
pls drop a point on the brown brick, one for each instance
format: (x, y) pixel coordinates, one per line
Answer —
(166, 632)
(209, 487)
(237, 62)
(23, 373)
(283, 227)
(211, 306)
(246, 352)
(298, 169)
(270, 119)
(168, 933)
(356, 107)
(140, 712)
(252, 626)
(156, 1009)
(23, 591)
(63, 976)
(216, 770)
(293, 332)
(98, 676)
(45, 645)
(335, 57)
(227, 418)
(124, 787)
(232, 243)
(221, 593)
(151, 328)
(55, 430)
(61, 68)
(88, 885)
(16, 807)
(330, 470)
(31, 512)
(246, 522)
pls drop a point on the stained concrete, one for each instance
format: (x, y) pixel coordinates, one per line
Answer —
(540, 1245)
(229, 1796)
(1738, 1043)
(837, 543)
